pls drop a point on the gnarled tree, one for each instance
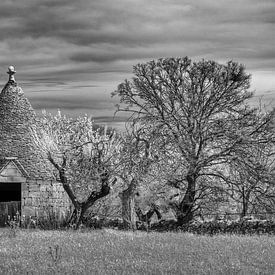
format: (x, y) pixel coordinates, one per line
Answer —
(83, 157)
(134, 162)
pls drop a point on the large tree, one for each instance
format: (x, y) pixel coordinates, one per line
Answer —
(202, 109)
(83, 157)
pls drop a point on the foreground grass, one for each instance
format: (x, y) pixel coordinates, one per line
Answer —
(118, 252)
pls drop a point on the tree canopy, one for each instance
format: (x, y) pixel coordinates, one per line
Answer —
(84, 158)
(202, 111)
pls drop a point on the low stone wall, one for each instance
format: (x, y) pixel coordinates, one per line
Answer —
(41, 197)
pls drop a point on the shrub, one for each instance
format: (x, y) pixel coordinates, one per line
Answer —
(50, 220)
(243, 226)
(101, 222)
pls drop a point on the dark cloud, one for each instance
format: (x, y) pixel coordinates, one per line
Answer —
(110, 118)
(118, 54)
(44, 82)
(131, 23)
(68, 102)
(60, 46)
(171, 27)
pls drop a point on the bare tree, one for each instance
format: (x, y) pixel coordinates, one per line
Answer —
(250, 179)
(83, 158)
(202, 109)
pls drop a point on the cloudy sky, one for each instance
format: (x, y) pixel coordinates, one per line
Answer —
(72, 54)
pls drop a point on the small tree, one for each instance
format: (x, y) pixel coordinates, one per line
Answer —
(250, 179)
(83, 158)
(202, 109)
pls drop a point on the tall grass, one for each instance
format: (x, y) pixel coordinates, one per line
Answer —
(119, 252)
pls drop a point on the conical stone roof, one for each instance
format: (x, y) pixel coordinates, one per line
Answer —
(16, 119)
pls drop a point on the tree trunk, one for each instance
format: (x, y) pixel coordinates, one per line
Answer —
(128, 213)
(185, 210)
(146, 217)
(245, 199)
(79, 212)
(76, 217)
(127, 197)
(79, 217)
(80, 208)
(93, 197)
(72, 217)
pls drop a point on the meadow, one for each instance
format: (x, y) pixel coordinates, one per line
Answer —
(119, 252)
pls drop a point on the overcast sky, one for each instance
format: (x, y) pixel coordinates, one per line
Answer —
(71, 54)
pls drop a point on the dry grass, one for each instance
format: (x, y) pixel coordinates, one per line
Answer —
(118, 252)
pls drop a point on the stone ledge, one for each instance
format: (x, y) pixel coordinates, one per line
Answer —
(12, 179)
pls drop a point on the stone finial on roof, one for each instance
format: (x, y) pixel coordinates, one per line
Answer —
(11, 72)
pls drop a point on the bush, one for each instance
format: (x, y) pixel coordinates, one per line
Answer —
(232, 227)
(243, 226)
(50, 220)
(164, 225)
(102, 222)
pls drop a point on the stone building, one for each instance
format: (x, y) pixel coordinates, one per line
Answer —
(27, 182)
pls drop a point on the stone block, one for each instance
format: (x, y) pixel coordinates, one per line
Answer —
(28, 211)
(34, 188)
(27, 201)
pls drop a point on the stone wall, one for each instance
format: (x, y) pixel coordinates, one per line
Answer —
(42, 197)
(23, 160)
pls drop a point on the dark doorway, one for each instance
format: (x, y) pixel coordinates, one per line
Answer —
(10, 192)
(10, 201)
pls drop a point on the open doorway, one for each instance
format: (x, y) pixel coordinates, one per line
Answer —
(10, 201)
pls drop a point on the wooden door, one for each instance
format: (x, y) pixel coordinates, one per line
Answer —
(9, 210)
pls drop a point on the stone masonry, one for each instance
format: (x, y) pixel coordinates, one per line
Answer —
(21, 160)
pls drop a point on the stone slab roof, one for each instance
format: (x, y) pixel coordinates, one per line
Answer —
(3, 163)
(15, 163)
(17, 117)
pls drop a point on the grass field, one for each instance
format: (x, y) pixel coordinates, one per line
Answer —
(118, 252)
